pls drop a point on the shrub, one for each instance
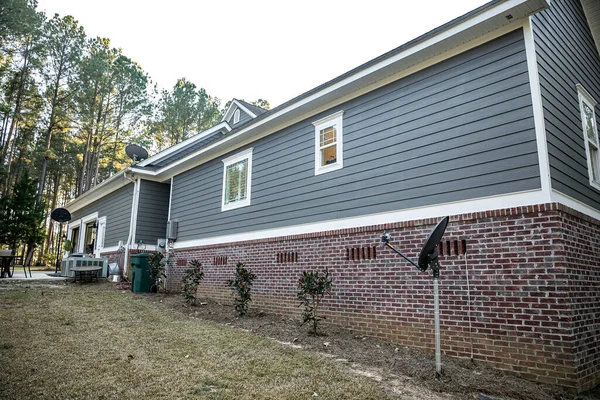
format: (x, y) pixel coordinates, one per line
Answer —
(241, 284)
(157, 270)
(312, 287)
(191, 281)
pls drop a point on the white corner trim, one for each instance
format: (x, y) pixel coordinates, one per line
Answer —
(538, 109)
(525, 198)
(246, 154)
(559, 197)
(136, 208)
(170, 200)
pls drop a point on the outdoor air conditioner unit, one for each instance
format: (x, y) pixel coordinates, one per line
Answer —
(172, 230)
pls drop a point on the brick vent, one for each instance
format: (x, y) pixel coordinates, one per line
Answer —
(287, 257)
(220, 260)
(361, 253)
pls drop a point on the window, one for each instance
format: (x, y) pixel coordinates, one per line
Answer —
(75, 240)
(90, 237)
(236, 116)
(237, 173)
(328, 143)
(590, 133)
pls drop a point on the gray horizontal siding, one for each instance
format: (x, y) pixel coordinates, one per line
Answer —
(460, 129)
(567, 56)
(116, 207)
(153, 209)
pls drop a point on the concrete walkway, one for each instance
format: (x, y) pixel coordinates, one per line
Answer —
(35, 275)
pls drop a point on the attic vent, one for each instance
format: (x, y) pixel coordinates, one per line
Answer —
(287, 257)
(236, 116)
(220, 260)
(361, 253)
(452, 247)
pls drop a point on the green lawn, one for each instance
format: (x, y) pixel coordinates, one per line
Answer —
(81, 341)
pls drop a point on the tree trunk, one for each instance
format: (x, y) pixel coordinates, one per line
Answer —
(18, 100)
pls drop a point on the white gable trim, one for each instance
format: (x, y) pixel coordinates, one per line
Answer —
(232, 107)
(187, 142)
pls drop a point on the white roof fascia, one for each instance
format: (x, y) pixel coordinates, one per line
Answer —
(439, 42)
(444, 38)
(232, 107)
(187, 142)
(113, 183)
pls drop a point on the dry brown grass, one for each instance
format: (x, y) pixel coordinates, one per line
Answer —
(85, 342)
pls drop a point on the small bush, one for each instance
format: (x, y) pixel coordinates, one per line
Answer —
(241, 284)
(191, 281)
(157, 270)
(312, 287)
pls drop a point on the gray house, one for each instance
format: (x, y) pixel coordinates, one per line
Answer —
(490, 118)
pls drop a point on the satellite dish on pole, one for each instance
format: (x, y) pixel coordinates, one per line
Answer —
(429, 258)
(60, 215)
(136, 153)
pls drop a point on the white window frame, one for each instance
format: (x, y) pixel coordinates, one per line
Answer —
(236, 116)
(84, 221)
(586, 98)
(100, 236)
(324, 123)
(246, 154)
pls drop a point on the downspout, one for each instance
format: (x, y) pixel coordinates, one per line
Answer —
(131, 219)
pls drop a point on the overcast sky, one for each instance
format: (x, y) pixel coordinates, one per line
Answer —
(274, 50)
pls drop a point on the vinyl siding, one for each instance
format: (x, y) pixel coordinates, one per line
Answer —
(153, 209)
(567, 56)
(116, 207)
(460, 129)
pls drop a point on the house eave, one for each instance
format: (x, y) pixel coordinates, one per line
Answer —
(495, 16)
(115, 182)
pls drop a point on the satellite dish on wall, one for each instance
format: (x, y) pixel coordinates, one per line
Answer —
(60, 215)
(136, 153)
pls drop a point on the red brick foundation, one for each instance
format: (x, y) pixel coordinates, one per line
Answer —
(533, 273)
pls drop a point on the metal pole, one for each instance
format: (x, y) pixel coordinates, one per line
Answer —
(436, 305)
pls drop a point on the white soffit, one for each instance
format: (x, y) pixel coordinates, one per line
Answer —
(592, 13)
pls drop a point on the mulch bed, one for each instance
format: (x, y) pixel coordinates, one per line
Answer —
(386, 362)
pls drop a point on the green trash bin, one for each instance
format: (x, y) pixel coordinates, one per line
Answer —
(141, 280)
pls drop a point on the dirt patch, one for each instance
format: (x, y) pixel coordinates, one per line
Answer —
(403, 371)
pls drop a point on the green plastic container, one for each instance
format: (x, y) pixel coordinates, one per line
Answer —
(141, 280)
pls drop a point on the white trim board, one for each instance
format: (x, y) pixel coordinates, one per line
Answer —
(526, 198)
(245, 136)
(559, 197)
(538, 109)
(187, 142)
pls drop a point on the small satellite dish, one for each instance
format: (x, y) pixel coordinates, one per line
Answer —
(60, 215)
(136, 153)
(429, 258)
(429, 252)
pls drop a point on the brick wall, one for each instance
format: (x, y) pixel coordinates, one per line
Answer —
(533, 276)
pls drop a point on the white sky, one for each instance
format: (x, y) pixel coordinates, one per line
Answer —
(273, 50)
